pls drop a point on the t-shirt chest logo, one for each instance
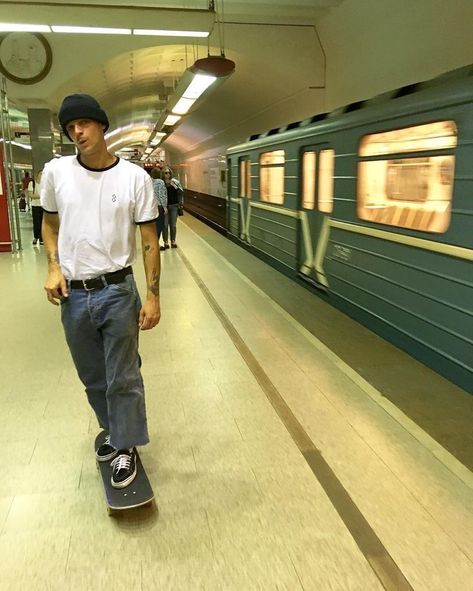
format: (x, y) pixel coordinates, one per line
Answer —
(114, 198)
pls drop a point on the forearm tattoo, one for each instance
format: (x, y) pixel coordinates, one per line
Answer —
(53, 258)
(154, 286)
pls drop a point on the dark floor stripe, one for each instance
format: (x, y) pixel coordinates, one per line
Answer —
(368, 542)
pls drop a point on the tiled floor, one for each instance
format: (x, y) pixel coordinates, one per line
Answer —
(238, 507)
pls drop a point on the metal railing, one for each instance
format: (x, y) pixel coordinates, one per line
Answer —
(9, 171)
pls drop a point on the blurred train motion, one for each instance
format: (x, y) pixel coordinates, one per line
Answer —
(372, 206)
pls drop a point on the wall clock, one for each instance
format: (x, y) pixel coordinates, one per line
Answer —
(25, 58)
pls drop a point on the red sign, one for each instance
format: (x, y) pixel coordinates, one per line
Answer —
(5, 235)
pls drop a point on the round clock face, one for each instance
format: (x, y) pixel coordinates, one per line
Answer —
(25, 58)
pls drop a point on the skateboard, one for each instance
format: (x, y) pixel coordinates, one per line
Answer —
(136, 494)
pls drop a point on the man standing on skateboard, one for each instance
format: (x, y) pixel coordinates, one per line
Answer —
(92, 204)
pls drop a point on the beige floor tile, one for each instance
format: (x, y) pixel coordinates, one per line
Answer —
(259, 569)
(214, 456)
(254, 406)
(168, 454)
(449, 501)
(38, 478)
(27, 557)
(267, 425)
(52, 450)
(326, 563)
(5, 504)
(286, 483)
(44, 579)
(17, 452)
(202, 491)
(55, 511)
(411, 536)
(181, 575)
(240, 388)
(225, 431)
(205, 410)
(153, 537)
(124, 577)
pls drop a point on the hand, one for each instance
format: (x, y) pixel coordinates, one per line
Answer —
(56, 287)
(166, 210)
(150, 313)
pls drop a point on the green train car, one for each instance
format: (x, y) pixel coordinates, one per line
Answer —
(373, 205)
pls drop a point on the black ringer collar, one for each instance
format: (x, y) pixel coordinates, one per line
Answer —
(97, 169)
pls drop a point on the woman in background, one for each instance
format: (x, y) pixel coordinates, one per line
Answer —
(175, 202)
(162, 198)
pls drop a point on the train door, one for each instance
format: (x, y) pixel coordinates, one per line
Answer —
(316, 204)
(244, 195)
(228, 209)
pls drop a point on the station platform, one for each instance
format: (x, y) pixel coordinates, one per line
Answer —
(291, 448)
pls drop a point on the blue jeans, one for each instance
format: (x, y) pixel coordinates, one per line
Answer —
(170, 222)
(160, 221)
(101, 328)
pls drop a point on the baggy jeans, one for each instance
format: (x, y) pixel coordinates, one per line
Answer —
(101, 328)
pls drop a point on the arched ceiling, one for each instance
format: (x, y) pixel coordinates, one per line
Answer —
(133, 77)
(133, 88)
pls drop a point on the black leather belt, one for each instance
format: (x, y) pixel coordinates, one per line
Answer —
(101, 281)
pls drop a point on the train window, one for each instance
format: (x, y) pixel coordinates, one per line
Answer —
(440, 135)
(405, 189)
(326, 168)
(309, 160)
(245, 178)
(272, 176)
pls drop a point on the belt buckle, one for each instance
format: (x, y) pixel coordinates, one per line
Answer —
(84, 283)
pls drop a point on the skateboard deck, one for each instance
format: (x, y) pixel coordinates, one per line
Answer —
(136, 494)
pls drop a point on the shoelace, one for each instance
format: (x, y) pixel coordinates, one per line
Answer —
(121, 462)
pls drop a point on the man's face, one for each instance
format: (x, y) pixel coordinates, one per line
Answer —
(86, 134)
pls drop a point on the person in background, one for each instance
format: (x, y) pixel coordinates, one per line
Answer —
(175, 201)
(36, 209)
(162, 198)
(25, 181)
(93, 203)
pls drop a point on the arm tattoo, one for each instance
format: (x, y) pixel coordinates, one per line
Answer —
(154, 287)
(53, 258)
(148, 249)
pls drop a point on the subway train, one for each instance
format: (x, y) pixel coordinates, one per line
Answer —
(371, 205)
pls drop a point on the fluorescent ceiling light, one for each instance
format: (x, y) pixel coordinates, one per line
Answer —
(171, 119)
(10, 27)
(110, 134)
(24, 146)
(198, 86)
(164, 33)
(13, 143)
(101, 30)
(157, 138)
(183, 105)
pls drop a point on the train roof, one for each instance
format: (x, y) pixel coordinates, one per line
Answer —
(382, 99)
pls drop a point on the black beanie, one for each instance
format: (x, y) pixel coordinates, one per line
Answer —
(81, 106)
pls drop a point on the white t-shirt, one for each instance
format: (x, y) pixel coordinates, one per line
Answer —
(98, 212)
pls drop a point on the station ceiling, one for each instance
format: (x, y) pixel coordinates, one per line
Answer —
(134, 76)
